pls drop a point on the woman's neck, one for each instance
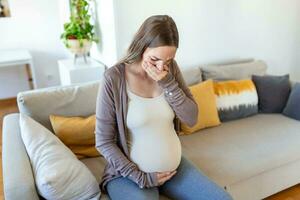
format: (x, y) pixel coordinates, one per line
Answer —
(137, 69)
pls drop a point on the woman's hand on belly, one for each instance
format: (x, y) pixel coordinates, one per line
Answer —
(162, 177)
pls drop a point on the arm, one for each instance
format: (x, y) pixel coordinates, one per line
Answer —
(106, 143)
(18, 178)
(179, 96)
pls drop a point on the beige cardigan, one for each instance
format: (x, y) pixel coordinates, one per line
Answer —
(111, 131)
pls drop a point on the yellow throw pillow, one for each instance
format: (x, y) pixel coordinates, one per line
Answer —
(77, 133)
(204, 95)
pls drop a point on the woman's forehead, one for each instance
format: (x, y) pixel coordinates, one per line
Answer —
(163, 52)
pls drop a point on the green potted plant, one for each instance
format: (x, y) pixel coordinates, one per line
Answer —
(79, 33)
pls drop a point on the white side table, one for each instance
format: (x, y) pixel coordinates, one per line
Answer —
(80, 72)
(9, 58)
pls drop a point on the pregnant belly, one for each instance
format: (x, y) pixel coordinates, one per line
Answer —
(156, 152)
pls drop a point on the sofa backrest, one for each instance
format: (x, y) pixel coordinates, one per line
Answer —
(235, 71)
(191, 75)
(194, 75)
(71, 100)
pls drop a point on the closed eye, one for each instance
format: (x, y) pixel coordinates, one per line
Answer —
(154, 59)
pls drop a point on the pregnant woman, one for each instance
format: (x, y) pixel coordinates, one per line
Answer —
(140, 102)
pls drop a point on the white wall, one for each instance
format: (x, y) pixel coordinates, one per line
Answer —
(214, 30)
(34, 25)
(106, 49)
(210, 31)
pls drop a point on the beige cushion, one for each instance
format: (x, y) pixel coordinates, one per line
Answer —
(235, 71)
(191, 75)
(71, 100)
(232, 61)
(234, 152)
(240, 149)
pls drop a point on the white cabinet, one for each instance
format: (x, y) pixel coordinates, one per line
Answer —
(80, 71)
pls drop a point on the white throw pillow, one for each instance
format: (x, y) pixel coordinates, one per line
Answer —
(58, 173)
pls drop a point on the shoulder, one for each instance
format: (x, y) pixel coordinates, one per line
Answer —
(113, 73)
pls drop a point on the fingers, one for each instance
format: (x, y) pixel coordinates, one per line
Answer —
(150, 70)
(166, 67)
(164, 176)
(153, 68)
(164, 179)
(153, 72)
(145, 65)
(150, 61)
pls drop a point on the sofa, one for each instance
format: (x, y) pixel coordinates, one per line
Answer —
(252, 157)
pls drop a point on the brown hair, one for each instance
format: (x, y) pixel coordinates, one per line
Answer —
(157, 30)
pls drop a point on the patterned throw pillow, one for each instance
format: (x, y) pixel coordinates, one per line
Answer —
(236, 99)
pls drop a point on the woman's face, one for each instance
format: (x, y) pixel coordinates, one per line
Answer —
(159, 56)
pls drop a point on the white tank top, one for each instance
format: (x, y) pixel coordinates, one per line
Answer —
(153, 143)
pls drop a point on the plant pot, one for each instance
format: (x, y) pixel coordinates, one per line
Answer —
(74, 46)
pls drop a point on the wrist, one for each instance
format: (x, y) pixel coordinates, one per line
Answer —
(153, 179)
(166, 79)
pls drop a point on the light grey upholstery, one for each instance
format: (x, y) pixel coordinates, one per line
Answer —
(71, 100)
(234, 71)
(240, 149)
(192, 75)
(18, 180)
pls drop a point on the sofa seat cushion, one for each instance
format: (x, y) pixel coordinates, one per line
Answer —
(96, 166)
(240, 149)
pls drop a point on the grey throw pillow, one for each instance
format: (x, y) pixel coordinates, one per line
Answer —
(292, 108)
(273, 92)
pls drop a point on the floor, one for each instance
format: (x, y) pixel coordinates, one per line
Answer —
(10, 106)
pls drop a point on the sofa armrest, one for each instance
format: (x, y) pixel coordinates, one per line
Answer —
(18, 178)
(293, 82)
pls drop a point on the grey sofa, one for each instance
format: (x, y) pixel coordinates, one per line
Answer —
(251, 158)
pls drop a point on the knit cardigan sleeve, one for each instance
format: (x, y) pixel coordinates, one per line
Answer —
(179, 96)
